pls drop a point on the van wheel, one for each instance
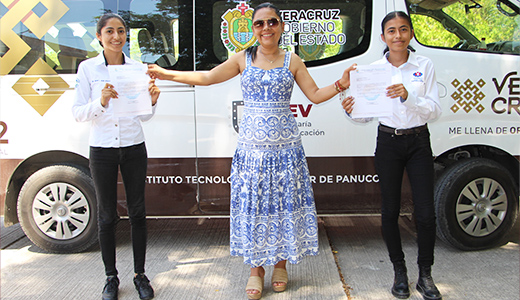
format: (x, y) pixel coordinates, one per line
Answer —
(57, 209)
(476, 203)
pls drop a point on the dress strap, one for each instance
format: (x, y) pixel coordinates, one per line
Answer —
(287, 60)
(248, 59)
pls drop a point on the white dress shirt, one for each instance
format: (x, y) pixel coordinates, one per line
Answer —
(107, 130)
(422, 105)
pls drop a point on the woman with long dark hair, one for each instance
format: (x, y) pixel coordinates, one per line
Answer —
(273, 215)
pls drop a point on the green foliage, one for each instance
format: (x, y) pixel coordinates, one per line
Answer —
(486, 22)
(430, 32)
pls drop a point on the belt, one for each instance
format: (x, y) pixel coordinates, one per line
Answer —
(406, 131)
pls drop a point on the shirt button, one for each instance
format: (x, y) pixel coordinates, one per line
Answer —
(116, 125)
(116, 139)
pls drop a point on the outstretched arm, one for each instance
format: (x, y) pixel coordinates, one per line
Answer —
(225, 71)
(309, 87)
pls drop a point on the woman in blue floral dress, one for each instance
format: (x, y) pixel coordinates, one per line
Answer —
(273, 215)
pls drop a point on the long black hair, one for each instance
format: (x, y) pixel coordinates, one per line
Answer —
(253, 49)
(391, 16)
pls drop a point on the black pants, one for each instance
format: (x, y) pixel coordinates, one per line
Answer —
(104, 165)
(393, 154)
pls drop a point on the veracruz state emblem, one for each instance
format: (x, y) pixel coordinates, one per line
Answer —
(236, 28)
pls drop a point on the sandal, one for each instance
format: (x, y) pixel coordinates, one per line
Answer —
(279, 276)
(255, 283)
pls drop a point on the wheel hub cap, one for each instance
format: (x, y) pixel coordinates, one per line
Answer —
(61, 211)
(481, 207)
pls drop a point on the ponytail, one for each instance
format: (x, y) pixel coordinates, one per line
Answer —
(409, 48)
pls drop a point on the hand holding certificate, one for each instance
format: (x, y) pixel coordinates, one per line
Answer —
(368, 86)
(131, 84)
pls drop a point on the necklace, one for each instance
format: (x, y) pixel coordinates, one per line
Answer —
(271, 61)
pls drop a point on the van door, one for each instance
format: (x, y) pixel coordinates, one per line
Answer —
(161, 33)
(475, 47)
(325, 35)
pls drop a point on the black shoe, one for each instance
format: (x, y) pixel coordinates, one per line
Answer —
(143, 287)
(111, 288)
(425, 284)
(400, 288)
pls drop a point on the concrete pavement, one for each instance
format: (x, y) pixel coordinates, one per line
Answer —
(189, 259)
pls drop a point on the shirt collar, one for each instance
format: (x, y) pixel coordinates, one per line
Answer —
(100, 59)
(412, 59)
(106, 62)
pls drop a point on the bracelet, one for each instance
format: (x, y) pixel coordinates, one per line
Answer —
(339, 87)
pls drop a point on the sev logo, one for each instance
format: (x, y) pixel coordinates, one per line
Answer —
(467, 95)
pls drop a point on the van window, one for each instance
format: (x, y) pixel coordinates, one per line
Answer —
(62, 40)
(319, 32)
(489, 25)
(154, 32)
(69, 36)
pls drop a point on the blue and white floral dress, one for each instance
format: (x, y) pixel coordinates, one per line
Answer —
(273, 215)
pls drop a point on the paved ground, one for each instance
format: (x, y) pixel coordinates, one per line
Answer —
(189, 260)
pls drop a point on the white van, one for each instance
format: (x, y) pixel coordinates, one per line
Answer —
(44, 180)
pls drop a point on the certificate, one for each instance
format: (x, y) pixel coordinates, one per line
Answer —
(131, 84)
(368, 86)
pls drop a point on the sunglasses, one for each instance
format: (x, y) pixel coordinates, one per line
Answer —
(273, 23)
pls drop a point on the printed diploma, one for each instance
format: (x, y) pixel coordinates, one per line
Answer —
(368, 87)
(131, 84)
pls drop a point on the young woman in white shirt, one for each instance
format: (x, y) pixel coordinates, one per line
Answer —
(115, 143)
(403, 142)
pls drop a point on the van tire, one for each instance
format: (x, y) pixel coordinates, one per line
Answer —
(67, 225)
(455, 212)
